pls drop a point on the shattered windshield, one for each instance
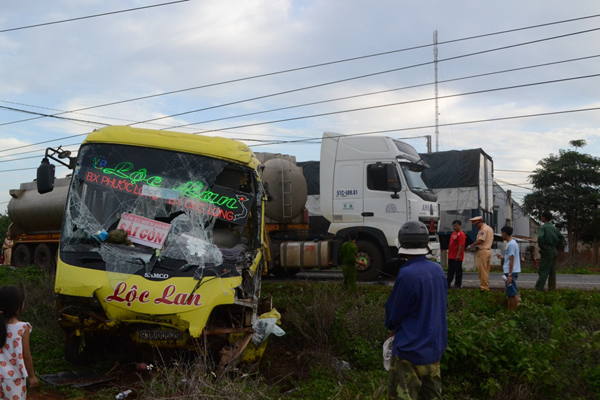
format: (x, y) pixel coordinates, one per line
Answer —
(142, 209)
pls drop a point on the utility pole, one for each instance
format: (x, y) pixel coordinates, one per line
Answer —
(435, 63)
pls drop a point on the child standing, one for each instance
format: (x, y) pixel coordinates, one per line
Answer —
(15, 358)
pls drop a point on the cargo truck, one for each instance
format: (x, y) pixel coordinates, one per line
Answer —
(162, 244)
(369, 184)
(463, 182)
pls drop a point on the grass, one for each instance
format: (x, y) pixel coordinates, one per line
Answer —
(549, 348)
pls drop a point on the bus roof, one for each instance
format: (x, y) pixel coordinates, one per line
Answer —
(212, 146)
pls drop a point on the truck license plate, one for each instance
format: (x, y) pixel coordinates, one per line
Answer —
(160, 335)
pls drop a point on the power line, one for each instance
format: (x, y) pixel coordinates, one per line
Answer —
(512, 170)
(45, 141)
(68, 137)
(373, 74)
(315, 66)
(512, 184)
(447, 124)
(36, 150)
(62, 112)
(52, 116)
(386, 91)
(20, 169)
(331, 113)
(56, 115)
(405, 129)
(299, 105)
(403, 103)
(312, 103)
(90, 16)
(367, 108)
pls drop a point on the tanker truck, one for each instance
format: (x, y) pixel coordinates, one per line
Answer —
(35, 223)
(162, 244)
(368, 184)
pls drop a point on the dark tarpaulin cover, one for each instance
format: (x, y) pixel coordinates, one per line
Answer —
(311, 170)
(452, 169)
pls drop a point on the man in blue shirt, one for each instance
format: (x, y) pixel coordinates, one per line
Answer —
(415, 314)
(512, 267)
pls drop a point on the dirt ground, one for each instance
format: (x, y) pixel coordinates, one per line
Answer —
(280, 365)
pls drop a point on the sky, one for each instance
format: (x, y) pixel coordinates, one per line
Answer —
(250, 69)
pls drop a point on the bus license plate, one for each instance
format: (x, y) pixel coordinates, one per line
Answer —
(160, 335)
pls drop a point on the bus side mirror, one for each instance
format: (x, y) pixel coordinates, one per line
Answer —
(45, 177)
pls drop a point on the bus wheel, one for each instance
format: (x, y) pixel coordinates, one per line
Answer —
(371, 255)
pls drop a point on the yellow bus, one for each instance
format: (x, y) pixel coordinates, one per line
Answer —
(162, 243)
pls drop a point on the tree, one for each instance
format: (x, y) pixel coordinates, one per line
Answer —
(568, 185)
(4, 223)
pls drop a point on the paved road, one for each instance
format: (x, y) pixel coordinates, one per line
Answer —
(471, 280)
(527, 281)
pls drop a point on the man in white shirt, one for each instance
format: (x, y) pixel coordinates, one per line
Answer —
(512, 267)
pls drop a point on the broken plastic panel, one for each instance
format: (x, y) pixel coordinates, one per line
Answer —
(180, 211)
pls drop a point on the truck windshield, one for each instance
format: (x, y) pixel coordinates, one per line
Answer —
(415, 181)
(142, 208)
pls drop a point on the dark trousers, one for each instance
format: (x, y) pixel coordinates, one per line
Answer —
(455, 267)
(548, 265)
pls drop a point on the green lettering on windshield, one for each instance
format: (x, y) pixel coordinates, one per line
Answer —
(125, 170)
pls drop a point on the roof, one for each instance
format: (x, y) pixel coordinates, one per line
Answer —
(212, 146)
(454, 168)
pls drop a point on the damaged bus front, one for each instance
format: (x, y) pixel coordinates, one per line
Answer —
(161, 243)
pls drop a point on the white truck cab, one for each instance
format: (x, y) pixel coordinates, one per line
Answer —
(373, 184)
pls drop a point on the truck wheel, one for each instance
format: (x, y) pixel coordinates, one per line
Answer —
(22, 257)
(42, 257)
(368, 252)
(280, 272)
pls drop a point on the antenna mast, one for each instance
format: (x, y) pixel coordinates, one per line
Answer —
(435, 63)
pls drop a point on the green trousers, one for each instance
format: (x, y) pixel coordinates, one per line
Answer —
(547, 269)
(349, 276)
(411, 382)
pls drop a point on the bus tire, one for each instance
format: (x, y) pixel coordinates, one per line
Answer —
(371, 254)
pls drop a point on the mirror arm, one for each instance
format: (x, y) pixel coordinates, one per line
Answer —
(62, 154)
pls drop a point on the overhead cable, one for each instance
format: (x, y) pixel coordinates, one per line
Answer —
(317, 65)
(371, 74)
(512, 170)
(352, 110)
(386, 91)
(90, 16)
(403, 103)
(431, 126)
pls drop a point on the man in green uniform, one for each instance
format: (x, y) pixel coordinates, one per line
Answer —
(348, 255)
(549, 238)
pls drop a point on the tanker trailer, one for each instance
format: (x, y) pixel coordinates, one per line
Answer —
(298, 233)
(35, 223)
(297, 238)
